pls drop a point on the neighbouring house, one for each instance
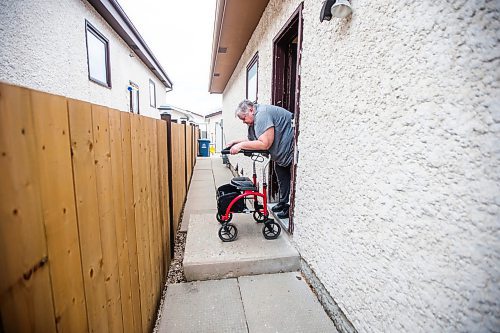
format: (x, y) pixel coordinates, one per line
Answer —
(215, 130)
(179, 114)
(396, 189)
(87, 50)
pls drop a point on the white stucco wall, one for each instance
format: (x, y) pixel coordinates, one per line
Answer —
(398, 187)
(43, 47)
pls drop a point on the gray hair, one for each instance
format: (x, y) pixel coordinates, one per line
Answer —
(243, 107)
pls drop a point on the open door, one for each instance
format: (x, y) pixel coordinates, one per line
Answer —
(286, 91)
(218, 136)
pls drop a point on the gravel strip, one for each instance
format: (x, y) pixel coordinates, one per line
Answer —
(175, 272)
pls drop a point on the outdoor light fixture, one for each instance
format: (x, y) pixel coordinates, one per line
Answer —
(334, 8)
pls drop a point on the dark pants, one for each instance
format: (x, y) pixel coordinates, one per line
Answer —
(284, 176)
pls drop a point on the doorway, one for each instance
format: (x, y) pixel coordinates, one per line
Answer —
(286, 92)
(218, 136)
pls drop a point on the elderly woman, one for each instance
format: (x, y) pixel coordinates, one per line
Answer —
(269, 128)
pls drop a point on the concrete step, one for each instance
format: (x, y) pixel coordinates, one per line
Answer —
(255, 304)
(206, 257)
(201, 196)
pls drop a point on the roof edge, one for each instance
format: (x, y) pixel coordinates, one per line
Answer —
(219, 18)
(213, 114)
(116, 17)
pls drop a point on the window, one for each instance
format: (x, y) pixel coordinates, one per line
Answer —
(97, 56)
(152, 93)
(252, 78)
(134, 97)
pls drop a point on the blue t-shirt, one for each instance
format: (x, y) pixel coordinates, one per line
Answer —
(267, 116)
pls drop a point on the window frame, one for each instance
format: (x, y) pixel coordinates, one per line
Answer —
(253, 61)
(96, 33)
(134, 88)
(154, 90)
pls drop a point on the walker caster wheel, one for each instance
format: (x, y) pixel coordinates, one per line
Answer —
(271, 230)
(219, 217)
(228, 232)
(260, 217)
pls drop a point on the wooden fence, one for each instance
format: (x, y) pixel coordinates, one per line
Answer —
(86, 209)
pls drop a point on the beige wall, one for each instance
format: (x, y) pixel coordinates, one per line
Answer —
(397, 203)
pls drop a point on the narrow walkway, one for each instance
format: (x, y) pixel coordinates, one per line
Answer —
(248, 285)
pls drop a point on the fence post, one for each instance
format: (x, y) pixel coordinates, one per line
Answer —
(185, 154)
(168, 119)
(193, 158)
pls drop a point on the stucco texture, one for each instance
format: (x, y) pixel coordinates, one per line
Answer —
(398, 186)
(43, 47)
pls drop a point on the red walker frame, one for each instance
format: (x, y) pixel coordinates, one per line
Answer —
(271, 230)
(255, 194)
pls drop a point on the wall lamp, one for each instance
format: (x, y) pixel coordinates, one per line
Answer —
(335, 8)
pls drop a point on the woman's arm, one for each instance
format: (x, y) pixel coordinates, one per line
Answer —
(233, 142)
(264, 142)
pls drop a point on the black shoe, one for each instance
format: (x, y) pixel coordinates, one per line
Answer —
(279, 207)
(284, 214)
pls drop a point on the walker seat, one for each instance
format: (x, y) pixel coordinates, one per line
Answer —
(226, 194)
(243, 184)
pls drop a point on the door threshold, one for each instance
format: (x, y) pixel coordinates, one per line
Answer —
(285, 223)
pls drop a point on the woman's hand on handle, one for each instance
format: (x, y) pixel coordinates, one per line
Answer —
(235, 149)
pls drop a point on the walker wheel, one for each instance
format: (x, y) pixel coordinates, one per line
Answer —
(260, 217)
(228, 232)
(219, 217)
(271, 230)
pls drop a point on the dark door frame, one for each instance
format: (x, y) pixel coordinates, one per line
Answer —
(291, 30)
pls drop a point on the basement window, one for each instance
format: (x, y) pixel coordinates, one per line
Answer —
(97, 56)
(252, 76)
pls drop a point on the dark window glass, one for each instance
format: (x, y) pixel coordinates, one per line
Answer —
(252, 78)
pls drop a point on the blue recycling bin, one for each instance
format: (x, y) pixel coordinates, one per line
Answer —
(204, 147)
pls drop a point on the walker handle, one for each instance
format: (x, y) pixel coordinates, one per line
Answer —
(245, 152)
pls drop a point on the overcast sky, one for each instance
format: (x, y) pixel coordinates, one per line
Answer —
(179, 32)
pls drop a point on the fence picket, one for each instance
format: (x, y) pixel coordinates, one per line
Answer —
(59, 212)
(189, 157)
(100, 120)
(163, 196)
(25, 290)
(153, 136)
(82, 147)
(137, 171)
(128, 190)
(150, 216)
(115, 129)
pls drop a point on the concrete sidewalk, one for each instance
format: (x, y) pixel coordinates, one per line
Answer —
(234, 288)
(257, 304)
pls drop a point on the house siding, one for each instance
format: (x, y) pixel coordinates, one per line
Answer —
(397, 196)
(43, 47)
